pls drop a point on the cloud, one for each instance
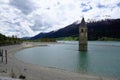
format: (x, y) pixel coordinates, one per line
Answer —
(26, 6)
(87, 9)
(30, 17)
(4, 1)
(118, 4)
(101, 6)
(13, 22)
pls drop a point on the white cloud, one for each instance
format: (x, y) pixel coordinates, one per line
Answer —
(13, 22)
(29, 17)
(26, 6)
(4, 1)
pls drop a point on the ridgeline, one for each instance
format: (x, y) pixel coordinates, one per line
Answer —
(97, 30)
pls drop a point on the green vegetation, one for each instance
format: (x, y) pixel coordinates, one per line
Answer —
(100, 39)
(9, 40)
(45, 40)
(109, 39)
(14, 40)
(68, 38)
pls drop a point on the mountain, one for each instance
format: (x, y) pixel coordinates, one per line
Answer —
(97, 29)
(25, 38)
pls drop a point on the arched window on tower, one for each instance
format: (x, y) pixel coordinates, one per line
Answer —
(82, 30)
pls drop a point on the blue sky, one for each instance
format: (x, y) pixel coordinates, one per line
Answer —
(30, 17)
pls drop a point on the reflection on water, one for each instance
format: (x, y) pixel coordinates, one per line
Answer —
(82, 62)
(102, 58)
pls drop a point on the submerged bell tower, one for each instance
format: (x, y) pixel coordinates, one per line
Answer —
(83, 36)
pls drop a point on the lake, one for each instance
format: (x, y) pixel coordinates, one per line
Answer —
(102, 57)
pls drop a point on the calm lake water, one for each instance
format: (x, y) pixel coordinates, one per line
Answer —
(102, 58)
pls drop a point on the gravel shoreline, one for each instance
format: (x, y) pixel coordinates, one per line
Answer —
(36, 72)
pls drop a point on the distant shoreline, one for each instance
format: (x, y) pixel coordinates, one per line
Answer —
(36, 72)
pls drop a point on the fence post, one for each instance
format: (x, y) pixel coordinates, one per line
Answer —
(2, 54)
(6, 55)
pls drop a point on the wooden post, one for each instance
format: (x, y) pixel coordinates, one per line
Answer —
(2, 54)
(13, 74)
(6, 55)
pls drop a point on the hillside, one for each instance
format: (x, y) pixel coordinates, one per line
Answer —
(96, 30)
(9, 40)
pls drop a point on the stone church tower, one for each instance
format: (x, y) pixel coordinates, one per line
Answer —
(83, 36)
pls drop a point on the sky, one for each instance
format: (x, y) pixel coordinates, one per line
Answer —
(26, 18)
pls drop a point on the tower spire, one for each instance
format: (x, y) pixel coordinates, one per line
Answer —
(83, 24)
